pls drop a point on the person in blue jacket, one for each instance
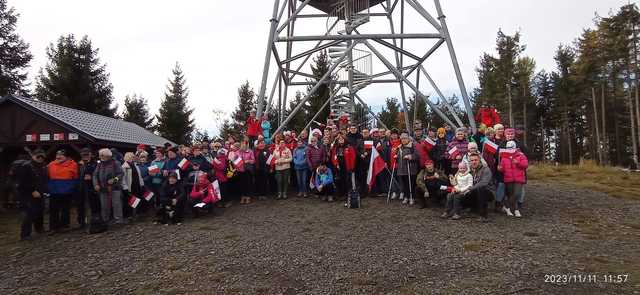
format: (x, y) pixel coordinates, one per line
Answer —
(323, 183)
(301, 167)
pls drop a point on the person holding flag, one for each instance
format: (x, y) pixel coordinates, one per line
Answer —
(203, 195)
(376, 165)
(245, 175)
(264, 161)
(391, 152)
(456, 150)
(407, 159)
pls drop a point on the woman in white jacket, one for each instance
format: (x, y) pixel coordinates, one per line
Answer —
(132, 184)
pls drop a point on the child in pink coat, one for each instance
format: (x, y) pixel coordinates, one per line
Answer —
(513, 167)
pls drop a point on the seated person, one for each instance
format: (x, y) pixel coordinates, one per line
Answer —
(323, 183)
(462, 182)
(172, 198)
(482, 190)
(430, 182)
(203, 195)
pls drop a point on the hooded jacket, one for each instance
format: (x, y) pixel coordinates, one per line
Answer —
(63, 177)
(514, 168)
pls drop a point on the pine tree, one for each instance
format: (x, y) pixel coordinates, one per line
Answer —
(390, 112)
(174, 118)
(136, 111)
(300, 119)
(319, 68)
(14, 53)
(75, 78)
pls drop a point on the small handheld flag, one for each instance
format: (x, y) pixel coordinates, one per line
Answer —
(368, 144)
(184, 164)
(490, 147)
(153, 169)
(134, 202)
(453, 152)
(147, 196)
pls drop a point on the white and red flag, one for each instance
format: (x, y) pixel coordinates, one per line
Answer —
(216, 161)
(376, 165)
(507, 152)
(153, 169)
(368, 144)
(430, 143)
(217, 193)
(148, 195)
(134, 202)
(184, 164)
(238, 163)
(58, 136)
(270, 160)
(490, 147)
(453, 152)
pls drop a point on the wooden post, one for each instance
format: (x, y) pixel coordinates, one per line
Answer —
(595, 117)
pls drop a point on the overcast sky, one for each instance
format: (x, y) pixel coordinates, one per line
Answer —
(221, 44)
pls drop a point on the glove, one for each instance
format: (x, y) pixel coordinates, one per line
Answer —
(426, 195)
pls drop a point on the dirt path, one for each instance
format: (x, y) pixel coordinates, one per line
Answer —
(301, 246)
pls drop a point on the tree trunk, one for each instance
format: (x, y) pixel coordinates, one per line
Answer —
(524, 114)
(634, 146)
(605, 145)
(510, 107)
(595, 118)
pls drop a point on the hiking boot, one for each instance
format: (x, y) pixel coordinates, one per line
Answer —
(412, 202)
(517, 213)
(401, 196)
(279, 196)
(393, 196)
(483, 219)
(508, 211)
(299, 195)
(404, 201)
(444, 215)
(330, 199)
(284, 196)
(456, 217)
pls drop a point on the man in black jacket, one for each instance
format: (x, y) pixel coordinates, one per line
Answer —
(86, 167)
(30, 176)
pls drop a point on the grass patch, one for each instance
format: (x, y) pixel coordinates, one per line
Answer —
(474, 246)
(610, 180)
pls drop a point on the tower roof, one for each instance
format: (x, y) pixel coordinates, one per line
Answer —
(328, 5)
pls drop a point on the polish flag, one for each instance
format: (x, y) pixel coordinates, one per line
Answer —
(453, 152)
(184, 164)
(490, 147)
(238, 163)
(217, 192)
(153, 169)
(270, 160)
(216, 161)
(312, 185)
(58, 136)
(134, 202)
(429, 142)
(147, 196)
(376, 165)
(31, 137)
(368, 144)
(505, 153)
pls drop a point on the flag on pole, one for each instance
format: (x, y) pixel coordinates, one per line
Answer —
(184, 164)
(368, 144)
(270, 160)
(216, 161)
(238, 163)
(216, 190)
(429, 142)
(134, 202)
(147, 196)
(376, 165)
(504, 153)
(453, 152)
(177, 173)
(153, 169)
(490, 147)
(312, 185)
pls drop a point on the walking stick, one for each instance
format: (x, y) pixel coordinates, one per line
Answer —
(409, 179)
(390, 183)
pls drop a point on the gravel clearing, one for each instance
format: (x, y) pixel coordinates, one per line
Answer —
(304, 246)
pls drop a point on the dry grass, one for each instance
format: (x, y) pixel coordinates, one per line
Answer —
(613, 181)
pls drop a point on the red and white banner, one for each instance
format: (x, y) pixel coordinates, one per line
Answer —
(147, 196)
(153, 169)
(368, 144)
(238, 162)
(58, 136)
(376, 165)
(134, 202)
(216, 190)
(184, 164)
(216, 161)
(453, 152)
(270, 160)
(504, 153)
(31, 137)
(430, 143)
(490, 147)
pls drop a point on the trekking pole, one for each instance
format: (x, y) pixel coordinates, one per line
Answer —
(409, 179)
(390, 183)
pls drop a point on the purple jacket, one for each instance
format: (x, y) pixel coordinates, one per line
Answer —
(315, 156)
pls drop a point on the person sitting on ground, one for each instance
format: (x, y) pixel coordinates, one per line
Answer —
(172, 198)
(429, 182)
(323, 183)
(513, 167)
(203, 195)
(462, 182)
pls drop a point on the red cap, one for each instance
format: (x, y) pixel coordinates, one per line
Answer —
(142, 147)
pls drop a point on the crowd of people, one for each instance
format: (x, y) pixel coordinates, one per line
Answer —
(456, 170)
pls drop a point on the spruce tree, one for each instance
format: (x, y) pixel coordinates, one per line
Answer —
(75, 78)
(390, 112)
(246, 103)
(14, 53)
(319, 68)
(300, 119)
(136, 111)
(174, 118)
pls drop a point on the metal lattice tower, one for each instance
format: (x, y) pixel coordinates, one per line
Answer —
(352, 54)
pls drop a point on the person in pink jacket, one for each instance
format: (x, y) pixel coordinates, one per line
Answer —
(245, 175)
(513, 167)
(219, 165)
(203, 195)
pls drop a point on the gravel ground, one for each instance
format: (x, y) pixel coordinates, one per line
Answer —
(304, 246)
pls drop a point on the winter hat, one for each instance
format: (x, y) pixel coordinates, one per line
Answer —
(472, 145)
(510, 131)
(511, 144)
(316, 131)
(441, 131)
(482, 128)
(462, 165)
(222, 151)
(428, 162)
(141, 147)
(498, 126)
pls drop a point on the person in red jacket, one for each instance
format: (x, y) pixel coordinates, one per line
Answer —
(343, 158)
(513, 167)
(203, 195)
(253, 127)
(487, 116)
